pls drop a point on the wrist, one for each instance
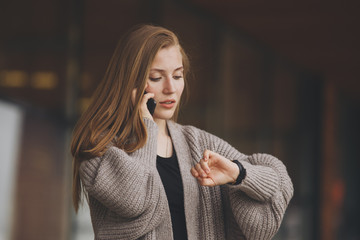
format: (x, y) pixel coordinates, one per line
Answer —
(234, 172)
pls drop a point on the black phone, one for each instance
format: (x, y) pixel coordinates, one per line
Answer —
(151, 105)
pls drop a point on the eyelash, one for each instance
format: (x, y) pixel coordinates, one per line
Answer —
(159, 78)
(155, 79)
(177, 77)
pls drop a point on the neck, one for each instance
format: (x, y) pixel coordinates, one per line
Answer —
(161, 126)
(164, 146)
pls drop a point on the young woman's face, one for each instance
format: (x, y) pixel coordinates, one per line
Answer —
(166, 81)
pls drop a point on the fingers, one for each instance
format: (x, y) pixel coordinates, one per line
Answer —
(214, 169)
(206, 182)
(194, 172)
(197, 172)
(146, 97)
(203, 178)
(206, 155)
(201, 169)
(133, 96)
(144, 110)
(143, 107)
(204, 166)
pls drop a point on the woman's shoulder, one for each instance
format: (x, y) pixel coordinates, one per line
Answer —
(185, 129)
(111, 151)
(201, 139)
(193, 133)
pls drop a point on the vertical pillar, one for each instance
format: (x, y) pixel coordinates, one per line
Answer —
(330, 179)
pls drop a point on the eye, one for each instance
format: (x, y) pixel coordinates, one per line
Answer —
(177, 77)
(155, 79)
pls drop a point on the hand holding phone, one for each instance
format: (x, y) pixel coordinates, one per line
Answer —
(151, 105)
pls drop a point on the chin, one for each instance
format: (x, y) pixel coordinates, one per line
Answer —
(164, 116)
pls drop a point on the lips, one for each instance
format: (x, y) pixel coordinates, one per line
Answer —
(168, 103)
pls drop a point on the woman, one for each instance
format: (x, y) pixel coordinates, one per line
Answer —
(147, 177)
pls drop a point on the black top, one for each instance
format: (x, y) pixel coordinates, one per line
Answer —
(169, 171)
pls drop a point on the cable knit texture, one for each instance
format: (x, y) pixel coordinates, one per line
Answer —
(127, 199)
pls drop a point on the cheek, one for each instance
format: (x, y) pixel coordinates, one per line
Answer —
(180, 88)
(151, 87)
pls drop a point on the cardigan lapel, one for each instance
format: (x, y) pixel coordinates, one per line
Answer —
(191, 190)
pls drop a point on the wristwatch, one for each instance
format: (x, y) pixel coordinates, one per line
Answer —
(242, 173)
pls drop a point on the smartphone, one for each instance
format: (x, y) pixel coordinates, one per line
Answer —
(151, 104)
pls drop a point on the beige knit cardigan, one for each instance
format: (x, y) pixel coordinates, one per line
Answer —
(127, 199)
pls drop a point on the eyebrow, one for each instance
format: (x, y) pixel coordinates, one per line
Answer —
(161, 70)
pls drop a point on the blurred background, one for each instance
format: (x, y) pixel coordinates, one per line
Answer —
(280, 77)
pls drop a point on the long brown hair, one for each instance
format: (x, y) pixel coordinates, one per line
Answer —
(111, 116)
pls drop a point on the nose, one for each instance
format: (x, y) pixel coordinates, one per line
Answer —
(169, 85)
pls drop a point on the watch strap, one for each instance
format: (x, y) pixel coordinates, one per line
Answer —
(242, 173)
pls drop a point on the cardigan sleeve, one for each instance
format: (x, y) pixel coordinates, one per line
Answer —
(127, 184)
(258, 204)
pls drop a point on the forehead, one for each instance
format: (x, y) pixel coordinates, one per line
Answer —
(167, 59)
